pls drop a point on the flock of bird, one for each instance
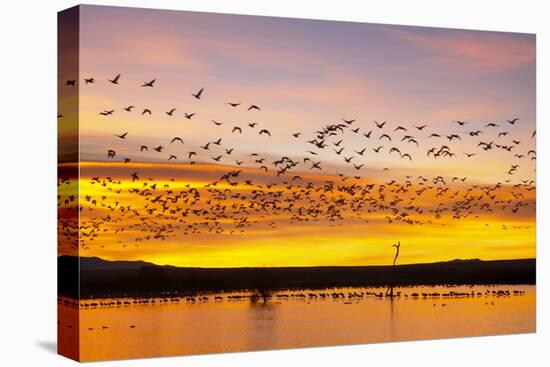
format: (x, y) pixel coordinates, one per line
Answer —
(264, 191)
(347, 296)
(439, 298)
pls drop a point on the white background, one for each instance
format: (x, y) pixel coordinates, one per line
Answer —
(28, 181)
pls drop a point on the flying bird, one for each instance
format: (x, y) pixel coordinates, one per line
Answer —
(149, 84)
(316, 165)
(198, 94)
(115, 79)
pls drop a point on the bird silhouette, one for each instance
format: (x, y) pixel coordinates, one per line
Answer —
(115, 79)
(149, 83)
(198, 94)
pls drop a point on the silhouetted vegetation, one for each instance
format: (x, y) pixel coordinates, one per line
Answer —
(100, 278)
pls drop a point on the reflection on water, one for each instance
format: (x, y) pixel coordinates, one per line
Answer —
(230, 322)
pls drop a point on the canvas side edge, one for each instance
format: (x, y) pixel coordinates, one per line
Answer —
(68, 282)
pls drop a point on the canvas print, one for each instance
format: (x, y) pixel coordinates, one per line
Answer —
(234, 183)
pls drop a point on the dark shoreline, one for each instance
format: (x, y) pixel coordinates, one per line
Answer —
(111, 279)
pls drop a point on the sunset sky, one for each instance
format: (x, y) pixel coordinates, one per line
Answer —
(304, 74)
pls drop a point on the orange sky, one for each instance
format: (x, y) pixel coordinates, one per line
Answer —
(304, 75)
(271, 239)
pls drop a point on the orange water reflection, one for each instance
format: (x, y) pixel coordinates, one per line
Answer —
(231, 325)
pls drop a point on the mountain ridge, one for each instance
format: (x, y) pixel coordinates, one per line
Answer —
(97, 263)
(97, 278)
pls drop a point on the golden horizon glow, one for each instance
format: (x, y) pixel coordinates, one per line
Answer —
(352, 242)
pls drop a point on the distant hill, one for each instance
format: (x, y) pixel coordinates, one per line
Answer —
(96, 263)
(102, 278)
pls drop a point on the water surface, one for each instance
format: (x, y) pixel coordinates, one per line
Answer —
(232, 322)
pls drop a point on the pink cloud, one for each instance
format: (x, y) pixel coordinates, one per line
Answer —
(482, 52)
